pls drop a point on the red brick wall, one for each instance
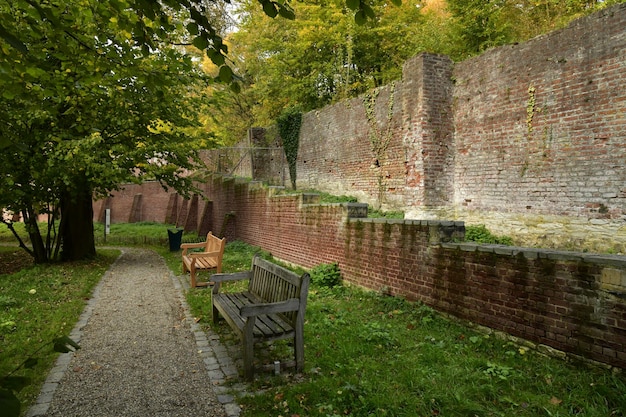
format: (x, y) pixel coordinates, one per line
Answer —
(528, 139)
(572, 302)
(154, 201)
(540, 127)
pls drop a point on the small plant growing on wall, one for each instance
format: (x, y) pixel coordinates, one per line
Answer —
(379, 138)
(289, 123)
(481, 234)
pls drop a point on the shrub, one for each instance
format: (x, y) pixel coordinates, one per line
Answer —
(326, 275)
(481, 234)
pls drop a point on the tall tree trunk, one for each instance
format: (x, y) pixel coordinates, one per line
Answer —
(39, 253)
(76, 227)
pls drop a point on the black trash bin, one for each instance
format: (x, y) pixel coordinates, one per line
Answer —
(175, 236)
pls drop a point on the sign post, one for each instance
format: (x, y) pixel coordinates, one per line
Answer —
(107, 223)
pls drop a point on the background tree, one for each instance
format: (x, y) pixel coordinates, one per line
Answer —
(98, 93)
(324, 56)
(94, 96)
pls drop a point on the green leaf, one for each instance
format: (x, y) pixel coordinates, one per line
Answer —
(226, 74)
(396, 2)
(360, 18)
(270, 8)
(369, 12)
(353, 4)
(12, 40)
(192, 28)
(4, 141)
(216, 57)
(235, 87)
(200, 42)
(287, 12)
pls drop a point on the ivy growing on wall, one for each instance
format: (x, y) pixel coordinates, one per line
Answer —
(379, 138)
(289, 123)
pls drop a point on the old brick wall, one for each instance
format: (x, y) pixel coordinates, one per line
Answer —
(336, 151)
(528, 139)
(153, 204)
(570, 301)
(540, 135)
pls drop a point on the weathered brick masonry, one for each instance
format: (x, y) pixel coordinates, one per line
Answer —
(529, 139)
(573, 302)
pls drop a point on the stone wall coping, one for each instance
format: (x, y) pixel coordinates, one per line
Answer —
(442, 223)
(618, 261)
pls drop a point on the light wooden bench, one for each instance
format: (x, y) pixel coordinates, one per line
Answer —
(210, 257)
(272, 308)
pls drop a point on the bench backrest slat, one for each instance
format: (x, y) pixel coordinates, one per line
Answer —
(214, 243)
(274, 283)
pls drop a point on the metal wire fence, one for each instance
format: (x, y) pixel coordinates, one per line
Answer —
(260, 164)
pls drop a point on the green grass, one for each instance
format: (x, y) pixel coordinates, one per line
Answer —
(367, 354)
(39, 303)
(326, 198)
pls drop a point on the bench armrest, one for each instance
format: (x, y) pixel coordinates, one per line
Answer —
(186, 246)
(235, 276)
(291, 304)
(192, 245)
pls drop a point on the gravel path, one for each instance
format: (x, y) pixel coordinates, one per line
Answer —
(141, 353)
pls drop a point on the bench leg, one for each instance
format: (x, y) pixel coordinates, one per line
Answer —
(298, 347)
(216, 315)
(248, 349)
(192, 276)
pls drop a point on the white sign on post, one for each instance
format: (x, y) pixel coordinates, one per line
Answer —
(107, 222)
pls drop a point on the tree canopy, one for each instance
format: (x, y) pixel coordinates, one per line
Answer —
(94, 94)
(324, 56)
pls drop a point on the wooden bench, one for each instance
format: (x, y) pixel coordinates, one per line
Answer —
(272, 308)
(209, 257)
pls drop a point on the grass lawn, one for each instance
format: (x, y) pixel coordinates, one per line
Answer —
(39, 303)
(366, 354)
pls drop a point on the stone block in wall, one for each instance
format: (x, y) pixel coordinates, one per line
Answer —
(310, 198)
(445, 231)
(357, 210)
(614, 281)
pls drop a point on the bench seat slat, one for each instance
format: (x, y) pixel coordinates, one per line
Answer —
(266, 326)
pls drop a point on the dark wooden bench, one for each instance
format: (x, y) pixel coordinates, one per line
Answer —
(209, 257)
(272, 308)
